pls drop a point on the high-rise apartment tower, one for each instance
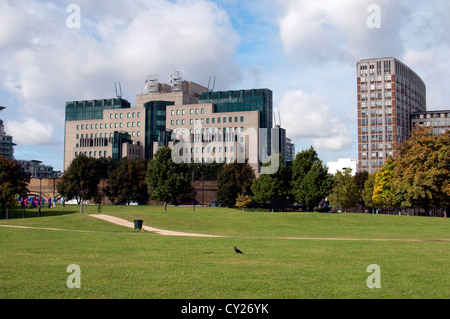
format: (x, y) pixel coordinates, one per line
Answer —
(389, 92)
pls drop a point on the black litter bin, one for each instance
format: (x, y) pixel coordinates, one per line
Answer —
(138, 224)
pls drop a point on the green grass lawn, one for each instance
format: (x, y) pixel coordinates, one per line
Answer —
(118, 262)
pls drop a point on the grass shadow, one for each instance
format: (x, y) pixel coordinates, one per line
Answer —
(19, 213)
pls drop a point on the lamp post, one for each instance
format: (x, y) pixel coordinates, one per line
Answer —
(40, 195)
(193, 180)
(203, 190)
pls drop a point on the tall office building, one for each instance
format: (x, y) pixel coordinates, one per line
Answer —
(389, 92)
(6, 141)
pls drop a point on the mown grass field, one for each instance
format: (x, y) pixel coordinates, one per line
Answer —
(118, 262)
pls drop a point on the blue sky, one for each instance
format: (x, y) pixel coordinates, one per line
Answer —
(304, 51)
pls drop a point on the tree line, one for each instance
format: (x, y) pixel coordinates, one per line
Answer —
(417, 178)
(134, 180)
(161, 179)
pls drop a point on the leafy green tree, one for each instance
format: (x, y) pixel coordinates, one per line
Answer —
(127, 183)
(273, 188)
(80, 180)
(421, 175)
(382, 191)
(345, 192)
(360, 179)
(210, 171)
(232, 180)
(13, 182)
(105, 166)
(367, 192)
(310, 179)
(167, 181)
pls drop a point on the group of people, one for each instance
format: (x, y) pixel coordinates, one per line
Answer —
(324, 205)
(33, 202)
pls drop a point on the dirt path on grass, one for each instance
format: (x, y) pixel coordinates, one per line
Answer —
(126, 223)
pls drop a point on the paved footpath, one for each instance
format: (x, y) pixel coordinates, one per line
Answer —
(126, 223)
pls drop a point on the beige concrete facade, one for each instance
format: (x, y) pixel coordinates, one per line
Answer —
(199, 134)
(94, 137)
(207, 137)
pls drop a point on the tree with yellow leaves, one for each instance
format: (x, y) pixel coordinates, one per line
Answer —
(422, 171)
(382, 190)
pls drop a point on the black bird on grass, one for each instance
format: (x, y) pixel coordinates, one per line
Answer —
(237, 251)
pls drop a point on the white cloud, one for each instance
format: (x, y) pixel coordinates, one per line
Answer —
(30, 132)
(432, 66)
(318, 31)
(50, 63)
(44, 63)
(340, 141)
(308, 116)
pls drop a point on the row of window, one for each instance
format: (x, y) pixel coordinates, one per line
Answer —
(436, 123)
(365, 155)
(120, 115)
(376, 87)
(107, 125)
(376, 104)
(377, 129)
(377, 146)
(434, 115)
(379, 95)
(379, 112)
(93, 153)
(183, 111)
(379, 121)
(375, 78)
(211, 160)
(207, 120)
(101, 135)
(365, 164)
(377, 137)
(210, 130)
(213, 150)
